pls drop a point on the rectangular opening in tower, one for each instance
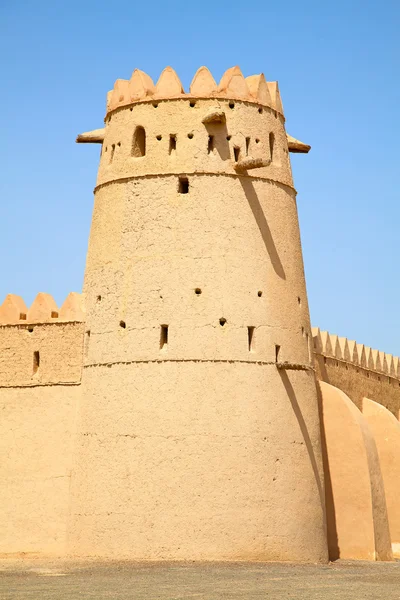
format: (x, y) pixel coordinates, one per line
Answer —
(250, 336)
(247, 145)
(183, 185)
(36, 361)
(139, 142)
(164, 337)
(271, 145)
(236, 152)
(277, 351)
(172, 143)
(210, 144)
(87, 340)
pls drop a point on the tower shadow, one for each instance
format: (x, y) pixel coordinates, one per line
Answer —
(306, 436)
(263, 226)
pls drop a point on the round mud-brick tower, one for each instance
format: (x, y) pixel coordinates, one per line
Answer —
(199, 429)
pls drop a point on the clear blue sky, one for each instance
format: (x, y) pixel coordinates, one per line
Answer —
(337, 64)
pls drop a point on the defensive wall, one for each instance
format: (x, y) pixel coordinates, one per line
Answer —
(40, 375)
(190, 411)
(357, 370)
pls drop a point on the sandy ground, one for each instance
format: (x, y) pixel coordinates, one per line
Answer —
(39, 579)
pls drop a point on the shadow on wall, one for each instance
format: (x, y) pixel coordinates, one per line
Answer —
(218, 139)
(357, 520)
(263, 226)
(332, 534)
(307, 440)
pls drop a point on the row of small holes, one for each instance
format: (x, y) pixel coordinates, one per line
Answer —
(192, 104)
(197, 291)
(222, 321)
(336, 363)
(139, 144)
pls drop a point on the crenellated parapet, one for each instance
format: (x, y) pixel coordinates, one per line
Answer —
(141, 88)
(358, 355)
(42, 344)
(357, 370)
(44, 309)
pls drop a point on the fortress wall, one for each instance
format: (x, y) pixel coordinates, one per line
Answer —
(37, 433)
(40, 373)
(357, 370)
(357, 519)
(195, 442)
(38, 354)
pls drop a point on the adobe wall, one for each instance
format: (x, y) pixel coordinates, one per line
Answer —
(195, 442)
(40, 375)
(357, 370)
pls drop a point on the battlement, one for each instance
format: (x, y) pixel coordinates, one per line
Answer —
(359, 371)
(233, 85)
(357, 354)
(44, 309)
(41, 345)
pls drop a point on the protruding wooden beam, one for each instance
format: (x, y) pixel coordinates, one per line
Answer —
(91, 137)
(252, 163)
(296, 146)
(215, 115)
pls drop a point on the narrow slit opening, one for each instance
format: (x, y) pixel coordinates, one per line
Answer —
(277, 351)
(172, 143)
(309, 348)
(183, 185)
(250, 336)
(36, 361)
(236, 153)
(164, 337)
(87, 340)
(247, 145)
(139, 142)
(271, 145)
(112, 152)
(210, 144)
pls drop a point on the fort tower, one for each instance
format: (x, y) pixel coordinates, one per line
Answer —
(198, 428)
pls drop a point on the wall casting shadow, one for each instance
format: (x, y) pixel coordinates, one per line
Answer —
(303, 427)
(220, 134)
(263, 226)
(332, 535)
